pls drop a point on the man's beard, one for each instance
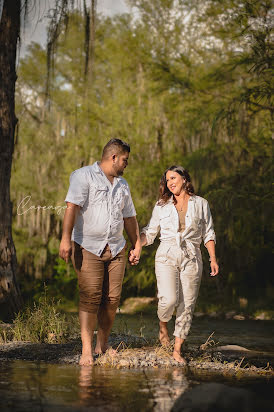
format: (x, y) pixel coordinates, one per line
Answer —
(119, 172)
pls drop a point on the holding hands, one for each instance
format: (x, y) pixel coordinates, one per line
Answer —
(135, 252)
(134, 256)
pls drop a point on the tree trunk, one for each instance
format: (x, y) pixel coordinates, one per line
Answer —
(10, 299)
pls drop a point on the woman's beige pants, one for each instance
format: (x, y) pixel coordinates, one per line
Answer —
(178, 276)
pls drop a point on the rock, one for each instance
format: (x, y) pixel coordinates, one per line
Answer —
(138, 304)
(103, 360)
(239, 317)
(213, 315)
(232, 348)
(4, 325)
(230, 314)
(124, 363)
(210, 397)
(243, 302)
(175, 363)
(198, 314)
(261, 316)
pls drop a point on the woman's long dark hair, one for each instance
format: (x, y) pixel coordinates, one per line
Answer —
(165, 194)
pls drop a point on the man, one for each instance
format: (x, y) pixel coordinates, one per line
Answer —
(99, 207)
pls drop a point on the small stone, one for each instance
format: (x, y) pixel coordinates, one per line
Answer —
(198, 314)
(51, 337)
(262, 316)
(230, 314)
(103, 360)
(213, 315)
(124, 363)
(239, 317)
(243, 302)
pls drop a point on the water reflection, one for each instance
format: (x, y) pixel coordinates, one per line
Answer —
(165, 387)
(147, 390)
(26, 386)
(85, 380)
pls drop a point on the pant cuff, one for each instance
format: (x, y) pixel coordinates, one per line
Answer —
(164, 319)
(178, 335)
(110, 305)
(90, 308)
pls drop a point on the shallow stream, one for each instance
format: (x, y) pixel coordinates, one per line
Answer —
(41, 386)
(33, 386)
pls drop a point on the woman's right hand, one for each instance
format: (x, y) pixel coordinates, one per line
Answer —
(214, 268)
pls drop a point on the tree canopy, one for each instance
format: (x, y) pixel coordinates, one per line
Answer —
(184, 82)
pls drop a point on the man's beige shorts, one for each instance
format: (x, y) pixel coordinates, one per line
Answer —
(100, 277)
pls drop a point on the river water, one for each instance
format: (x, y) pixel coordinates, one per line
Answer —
(40, 386)
(33, 386)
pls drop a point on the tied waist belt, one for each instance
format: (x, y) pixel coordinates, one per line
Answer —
(189, 248)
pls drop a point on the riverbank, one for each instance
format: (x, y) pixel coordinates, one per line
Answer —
(232, 347)
(135, 352)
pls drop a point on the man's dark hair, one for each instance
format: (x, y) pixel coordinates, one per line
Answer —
(116, 146)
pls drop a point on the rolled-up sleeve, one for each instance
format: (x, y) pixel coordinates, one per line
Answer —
(128, 209)
(208, 228)
(152, 229)
(78, 188)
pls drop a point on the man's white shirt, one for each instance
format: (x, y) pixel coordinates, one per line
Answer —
(103, 206)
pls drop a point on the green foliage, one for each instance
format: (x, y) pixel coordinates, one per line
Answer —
(64, 281)
(184, 83)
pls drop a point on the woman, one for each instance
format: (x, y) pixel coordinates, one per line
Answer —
(184, 220)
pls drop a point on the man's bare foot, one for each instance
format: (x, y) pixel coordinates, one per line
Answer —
(86, 360)
(177, 356)
(107, 349)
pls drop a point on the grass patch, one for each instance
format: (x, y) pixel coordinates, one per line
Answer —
(42, 323)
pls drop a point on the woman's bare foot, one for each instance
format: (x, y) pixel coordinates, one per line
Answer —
(164, 338)
(163, 334)
(177, 356)
(86, 360)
